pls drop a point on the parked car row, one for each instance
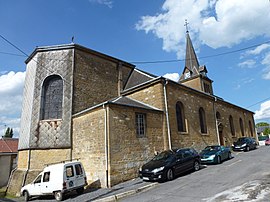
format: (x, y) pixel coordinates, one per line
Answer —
(167, 164)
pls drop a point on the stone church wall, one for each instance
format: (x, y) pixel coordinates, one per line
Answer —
(89, 145)
(152, 95)
(226, 110)
(127, 151)
(95, 80)
(191, 101)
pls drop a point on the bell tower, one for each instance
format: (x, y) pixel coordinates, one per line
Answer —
(194, 75)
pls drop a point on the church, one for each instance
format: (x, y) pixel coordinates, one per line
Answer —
(82, 104)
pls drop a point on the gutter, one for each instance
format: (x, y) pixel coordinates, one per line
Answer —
(167, 114)
(106, 145)
(215, 117)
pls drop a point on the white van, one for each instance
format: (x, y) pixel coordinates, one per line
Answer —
(57, 179)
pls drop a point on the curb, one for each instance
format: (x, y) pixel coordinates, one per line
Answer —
(115, 197)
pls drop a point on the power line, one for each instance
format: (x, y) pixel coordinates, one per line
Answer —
(13, 45)
(202, 57)
(13, 54)
(229, 52)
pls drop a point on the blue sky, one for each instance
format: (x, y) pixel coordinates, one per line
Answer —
(144, 31)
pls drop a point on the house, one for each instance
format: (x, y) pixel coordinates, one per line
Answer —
(8, 158)
(83, 104)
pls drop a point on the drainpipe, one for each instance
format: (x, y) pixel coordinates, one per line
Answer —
(167, 114)
(214, 108)
(106, 144)
(28, 167)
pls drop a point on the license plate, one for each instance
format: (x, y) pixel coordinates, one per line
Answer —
(145, 178)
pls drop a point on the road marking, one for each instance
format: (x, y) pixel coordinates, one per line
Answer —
(234, 163)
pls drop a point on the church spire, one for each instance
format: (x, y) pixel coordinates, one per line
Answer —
(191, 60)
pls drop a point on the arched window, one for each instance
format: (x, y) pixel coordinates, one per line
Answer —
(250, 128)
(52, 96)
(241, 126)
(180, 117)
(202, 120)
(232, 125)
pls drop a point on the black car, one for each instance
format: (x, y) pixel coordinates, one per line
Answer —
(244, 144)
(169, 163)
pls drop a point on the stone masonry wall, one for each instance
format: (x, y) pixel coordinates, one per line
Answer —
(89, 145)
(95, 80)
(194, 83)
(191, 101)
(127, 151)
(227, 110)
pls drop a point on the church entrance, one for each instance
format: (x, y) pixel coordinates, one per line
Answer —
(221, 140)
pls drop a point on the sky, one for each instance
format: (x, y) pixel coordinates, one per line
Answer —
(230, 37)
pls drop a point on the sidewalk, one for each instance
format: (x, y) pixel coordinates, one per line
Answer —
(99, 195)
(121, 190)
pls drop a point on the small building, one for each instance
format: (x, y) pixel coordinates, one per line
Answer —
(79, 103)
(8, 158)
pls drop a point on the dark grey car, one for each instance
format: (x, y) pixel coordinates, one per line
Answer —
(244, 144)
(169, 163)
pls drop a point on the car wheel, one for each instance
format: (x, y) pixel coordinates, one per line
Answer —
(170, 174)
(218, 160)
(58, 195)
(26, 195)
(247, 148)
(229, 155)
(196, 166)
(80, 190)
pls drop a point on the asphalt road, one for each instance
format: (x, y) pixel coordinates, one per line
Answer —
(246, 177)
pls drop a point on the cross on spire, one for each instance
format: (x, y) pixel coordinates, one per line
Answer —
(186, 25)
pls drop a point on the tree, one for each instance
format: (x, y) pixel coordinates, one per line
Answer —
(8, 133)
(266, 131)
(262, 124)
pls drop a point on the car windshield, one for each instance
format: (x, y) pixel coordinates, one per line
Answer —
(241, 140)
(209, 148)
(162, 156)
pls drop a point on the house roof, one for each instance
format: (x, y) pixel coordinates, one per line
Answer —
(9, 145)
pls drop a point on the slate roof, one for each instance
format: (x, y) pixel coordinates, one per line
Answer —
(138, 77)
(9, 145)
(191, 61)
(126, 101)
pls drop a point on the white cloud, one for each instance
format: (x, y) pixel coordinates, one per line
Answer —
(247, 64)
(172, 76)
(258, 49)
(11, 100)
(108, 3)
(243, 82)
(216, 23)
(263, 112)
(266, 62)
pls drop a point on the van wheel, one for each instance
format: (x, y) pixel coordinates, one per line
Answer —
(58, 195)
(26, 195)
(80, 190)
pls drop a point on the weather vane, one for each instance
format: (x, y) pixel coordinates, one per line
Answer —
(186, 25)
